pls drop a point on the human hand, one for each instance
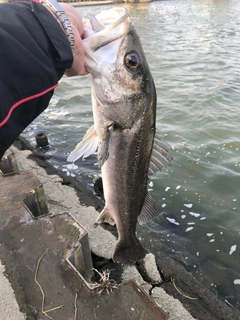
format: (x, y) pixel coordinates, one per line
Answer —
(78, 67)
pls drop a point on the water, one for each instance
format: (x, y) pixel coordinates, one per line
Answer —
(192, 47)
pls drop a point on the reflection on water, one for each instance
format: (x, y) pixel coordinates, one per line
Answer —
(193, 52)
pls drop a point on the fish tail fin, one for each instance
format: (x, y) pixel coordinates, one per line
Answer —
(105, 217)
(128, 253)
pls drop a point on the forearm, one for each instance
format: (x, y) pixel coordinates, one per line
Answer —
(71, 22)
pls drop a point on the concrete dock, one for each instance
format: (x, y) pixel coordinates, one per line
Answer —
(56, 264)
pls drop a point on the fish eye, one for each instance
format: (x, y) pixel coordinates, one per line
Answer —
(132, 61)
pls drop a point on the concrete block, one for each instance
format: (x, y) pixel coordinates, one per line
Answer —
(131, 272)
(151, 269)
(9, 308)
(171, 306)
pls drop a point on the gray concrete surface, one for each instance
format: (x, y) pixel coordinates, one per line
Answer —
(9, 308)
(62, 198)
(173, 307)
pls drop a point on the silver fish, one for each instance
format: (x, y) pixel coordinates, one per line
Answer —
(124, 111)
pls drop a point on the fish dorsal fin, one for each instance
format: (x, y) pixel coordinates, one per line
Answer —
(160, 157)
(87, 146)
(149, 210)
(105, 217)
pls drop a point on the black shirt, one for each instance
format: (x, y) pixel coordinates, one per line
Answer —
(34, 53)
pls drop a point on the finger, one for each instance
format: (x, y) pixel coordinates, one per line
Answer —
(78, 67)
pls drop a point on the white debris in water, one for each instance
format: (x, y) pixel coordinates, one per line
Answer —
(212, 240)
(178, 187)
(194, 214)
(70, 166)
(67, 172)
(189, 223)
(172, 220)
(197, 253)
(232, 249)
(150, 184)
(234, 199)
(227, 302)
(183, 216)
(210, 234)
(188, 205)
(203, 218)
(236, 281)
(167, 188)
(189, 229)
(163, 205)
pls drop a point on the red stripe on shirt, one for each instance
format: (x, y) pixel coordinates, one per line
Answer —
(25, 100)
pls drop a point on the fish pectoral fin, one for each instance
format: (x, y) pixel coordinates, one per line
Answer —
(149, 210)
(87, 146)
(105, 217)
(104, 146)
(160, 157)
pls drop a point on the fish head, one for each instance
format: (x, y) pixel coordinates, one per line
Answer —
(122, 84)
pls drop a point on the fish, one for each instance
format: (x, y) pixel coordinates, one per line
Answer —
(124, 134)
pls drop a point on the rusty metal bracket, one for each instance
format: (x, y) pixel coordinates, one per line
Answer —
(36, 203)
(8, 163)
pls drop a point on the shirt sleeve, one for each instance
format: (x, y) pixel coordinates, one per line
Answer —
(34, 53)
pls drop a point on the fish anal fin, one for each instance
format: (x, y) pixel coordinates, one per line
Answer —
(105, 217)
(86, 147)
(129, 253)
(149, 210)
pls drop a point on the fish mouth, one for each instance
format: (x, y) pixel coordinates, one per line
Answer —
(102, 37)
